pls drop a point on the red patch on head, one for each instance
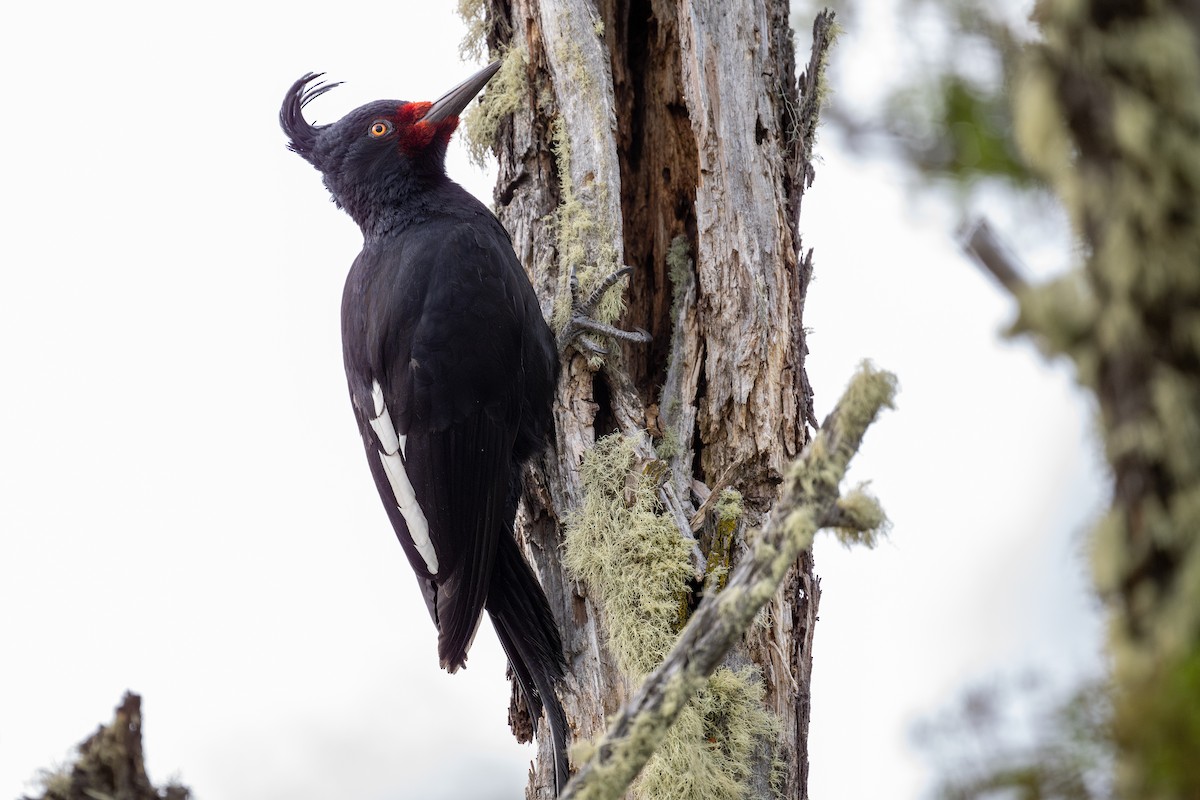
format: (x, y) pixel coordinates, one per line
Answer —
(415, 135)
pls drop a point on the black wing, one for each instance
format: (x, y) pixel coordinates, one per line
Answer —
(444, 342)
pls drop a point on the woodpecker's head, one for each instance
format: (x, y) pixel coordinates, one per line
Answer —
(379, 154)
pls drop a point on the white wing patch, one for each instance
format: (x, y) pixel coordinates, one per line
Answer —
(381, 423)
(377, 397)
(391, 455)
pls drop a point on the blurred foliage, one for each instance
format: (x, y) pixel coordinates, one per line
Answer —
(1014, 740)
(1107, 107)
(1159, 725)
(944, 108)
(968, 128)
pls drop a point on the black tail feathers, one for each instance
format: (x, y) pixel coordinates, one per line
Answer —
(521, 616)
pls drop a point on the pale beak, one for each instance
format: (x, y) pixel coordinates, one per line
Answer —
(452, 103)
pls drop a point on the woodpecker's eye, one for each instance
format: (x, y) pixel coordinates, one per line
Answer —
(380, 127)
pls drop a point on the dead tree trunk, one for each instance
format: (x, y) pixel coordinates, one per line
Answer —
(671, 136)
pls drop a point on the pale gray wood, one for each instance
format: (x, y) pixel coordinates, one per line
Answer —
(694, 102)
(746, 253)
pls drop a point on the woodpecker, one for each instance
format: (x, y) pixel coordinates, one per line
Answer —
(451, 369)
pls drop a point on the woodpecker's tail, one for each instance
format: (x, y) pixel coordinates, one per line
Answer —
(521, 616)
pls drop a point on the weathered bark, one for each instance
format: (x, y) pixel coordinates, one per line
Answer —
(658, 121)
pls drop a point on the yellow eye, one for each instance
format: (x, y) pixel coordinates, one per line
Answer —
(380, 127)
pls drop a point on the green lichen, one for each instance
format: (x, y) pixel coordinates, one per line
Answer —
(1160, 726)
(55, 783)
(679, 263)
(585, 243)
(667, 447)
(506, 93)
(630, 554)
(803, 118)
(635, 562)
(587, 235)
(870, 390)
(474, 14)
(708, 753)
(864, 519)
(727, 511)
(729, 709)
(679, 271)
(610, 778)
(729, 508)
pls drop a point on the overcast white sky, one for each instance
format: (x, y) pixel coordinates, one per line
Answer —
(184, 506)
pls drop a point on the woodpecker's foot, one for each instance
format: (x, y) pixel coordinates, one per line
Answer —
(581, 322)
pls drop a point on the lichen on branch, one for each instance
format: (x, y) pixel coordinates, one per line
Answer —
(810, 492)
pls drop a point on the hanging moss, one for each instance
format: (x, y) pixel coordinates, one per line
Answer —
(630, 554)
(667, 447)
(474, 42)
(637, 565)
(507, 92)
(707, 754)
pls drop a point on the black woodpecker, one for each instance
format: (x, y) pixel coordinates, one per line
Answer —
(451, 370)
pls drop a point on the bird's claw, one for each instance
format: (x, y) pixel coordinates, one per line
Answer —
(581, 322)
(587, 306)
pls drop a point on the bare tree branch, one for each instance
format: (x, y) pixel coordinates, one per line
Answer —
(989, 251)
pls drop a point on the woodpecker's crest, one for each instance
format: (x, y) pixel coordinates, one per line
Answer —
(303, 135)
(371, 156)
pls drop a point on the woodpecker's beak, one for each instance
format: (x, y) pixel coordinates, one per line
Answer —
(452, 103)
